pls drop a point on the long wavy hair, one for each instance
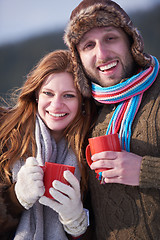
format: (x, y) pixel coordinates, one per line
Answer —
(17, 124)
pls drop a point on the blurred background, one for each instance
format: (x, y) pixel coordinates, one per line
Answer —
(30, 29)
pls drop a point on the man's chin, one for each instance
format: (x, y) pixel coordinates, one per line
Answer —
(107, 82)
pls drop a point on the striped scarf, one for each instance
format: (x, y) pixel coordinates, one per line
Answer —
(129, 95)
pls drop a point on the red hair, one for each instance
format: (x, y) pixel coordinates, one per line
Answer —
(17, 140)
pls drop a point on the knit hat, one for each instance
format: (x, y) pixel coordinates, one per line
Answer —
(100, 13)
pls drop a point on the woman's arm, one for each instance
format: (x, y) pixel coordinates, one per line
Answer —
(10, 210)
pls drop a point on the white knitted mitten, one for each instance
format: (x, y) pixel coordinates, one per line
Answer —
(68, 204)
(29, 186)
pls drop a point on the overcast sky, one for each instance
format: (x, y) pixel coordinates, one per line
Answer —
(21, 19)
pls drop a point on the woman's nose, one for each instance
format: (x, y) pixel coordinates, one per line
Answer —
(57, 102)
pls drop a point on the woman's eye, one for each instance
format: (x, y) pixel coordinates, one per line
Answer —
(47, 93)
(69, 96)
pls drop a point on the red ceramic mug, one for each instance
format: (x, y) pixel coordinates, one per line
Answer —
(101, 144)
(54, 171)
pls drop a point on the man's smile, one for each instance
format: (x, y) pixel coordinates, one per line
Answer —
(107, 66)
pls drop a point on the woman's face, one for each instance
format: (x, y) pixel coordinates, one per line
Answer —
(58, 102)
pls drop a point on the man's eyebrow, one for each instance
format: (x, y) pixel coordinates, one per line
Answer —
(84, 38)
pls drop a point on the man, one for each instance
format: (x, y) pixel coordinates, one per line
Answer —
(110, 64)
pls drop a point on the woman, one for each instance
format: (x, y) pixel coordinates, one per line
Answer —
(48, 123)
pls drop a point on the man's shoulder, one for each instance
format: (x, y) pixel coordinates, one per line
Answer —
(155, 87)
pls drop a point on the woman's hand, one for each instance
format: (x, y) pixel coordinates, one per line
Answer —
(67, 198)
(67, 203)
(29, 186)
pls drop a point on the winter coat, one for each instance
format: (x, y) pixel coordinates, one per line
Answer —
(10, 211)
(131, 212)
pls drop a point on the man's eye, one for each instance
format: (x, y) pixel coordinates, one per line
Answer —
(88, 45)
(110, 38)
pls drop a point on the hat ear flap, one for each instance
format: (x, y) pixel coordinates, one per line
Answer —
(137, 48)
(80, 76)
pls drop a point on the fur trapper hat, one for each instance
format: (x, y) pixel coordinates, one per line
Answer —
(100, 13)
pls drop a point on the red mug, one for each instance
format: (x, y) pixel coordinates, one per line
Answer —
(101, 144)
(54, 171)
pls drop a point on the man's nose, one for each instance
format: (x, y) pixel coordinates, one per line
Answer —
(101, 51)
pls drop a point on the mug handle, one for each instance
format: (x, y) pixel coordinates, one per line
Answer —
(89, 160)
(88, 155)
(43, 168)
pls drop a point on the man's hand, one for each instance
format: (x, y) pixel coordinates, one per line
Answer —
(124, 167)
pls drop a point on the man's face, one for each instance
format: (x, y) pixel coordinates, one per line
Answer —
(106, 56)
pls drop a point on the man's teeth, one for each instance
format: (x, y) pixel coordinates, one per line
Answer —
(106, 67)
(58, 114)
